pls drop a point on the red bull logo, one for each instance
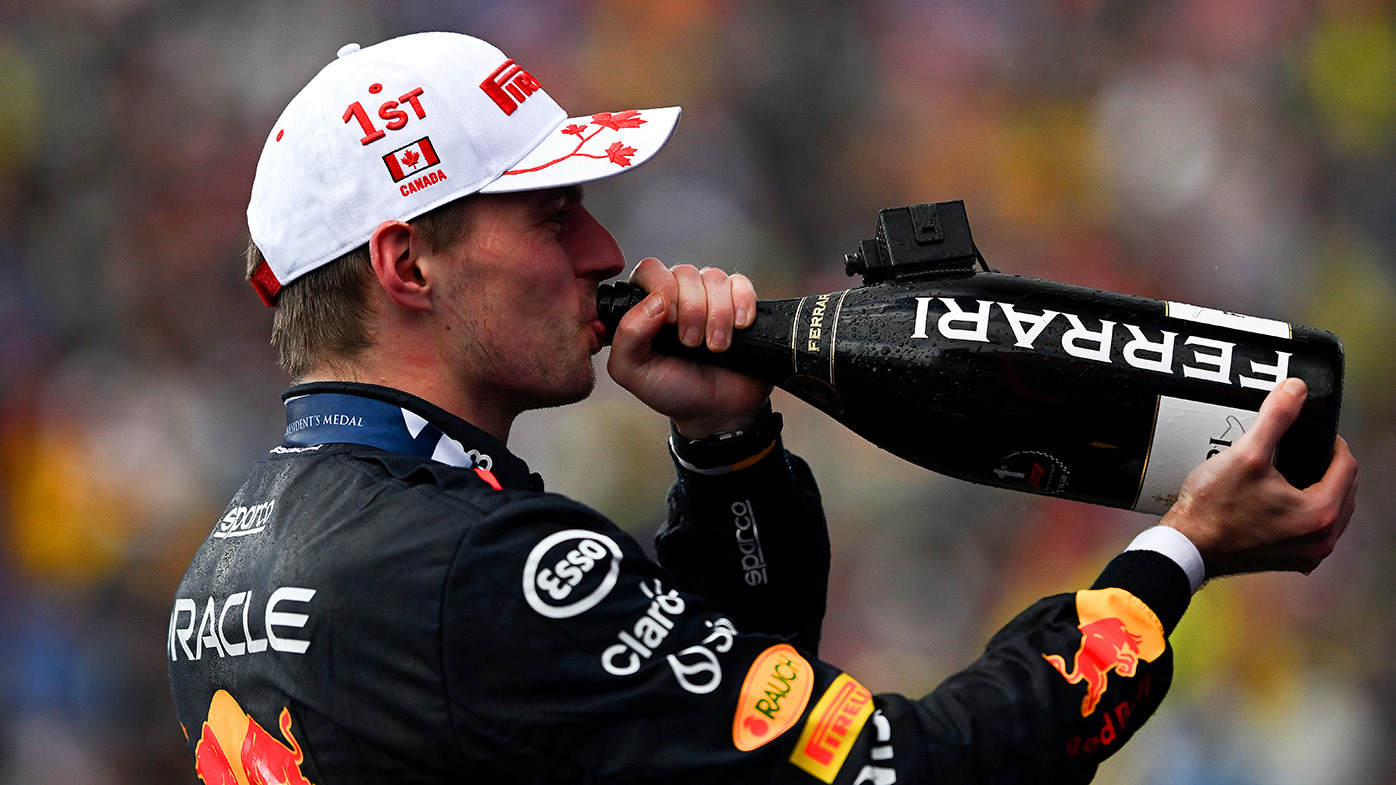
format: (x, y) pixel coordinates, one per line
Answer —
(1117, 631)
(234, 750)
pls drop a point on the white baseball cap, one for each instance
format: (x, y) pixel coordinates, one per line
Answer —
(393, 130)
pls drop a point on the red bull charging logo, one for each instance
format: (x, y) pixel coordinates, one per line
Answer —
(234, 750)
(1117, 631)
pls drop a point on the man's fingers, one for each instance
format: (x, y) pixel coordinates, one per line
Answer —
(639, 326)
(1338, 488)
(692, 303)
(704, 305)
(1341, 476)
(1278, 411)
(743, 301)
(1348, 508)
(719, 291)
(652, 276)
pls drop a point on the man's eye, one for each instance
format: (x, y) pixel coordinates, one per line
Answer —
(558, 216)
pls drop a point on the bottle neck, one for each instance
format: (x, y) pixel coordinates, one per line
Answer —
(612, 302)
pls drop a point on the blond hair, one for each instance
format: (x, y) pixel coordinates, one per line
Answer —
(321, 317)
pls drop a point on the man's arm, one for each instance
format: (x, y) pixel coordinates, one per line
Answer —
(745, 526)
(746, 530)
(644, 682)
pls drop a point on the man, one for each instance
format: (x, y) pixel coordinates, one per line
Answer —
(393, 597)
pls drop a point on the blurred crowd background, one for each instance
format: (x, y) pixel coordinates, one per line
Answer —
(1238, 154)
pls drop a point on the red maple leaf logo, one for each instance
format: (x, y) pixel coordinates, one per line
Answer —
(630, 118)
(619, 153)
(410, 158)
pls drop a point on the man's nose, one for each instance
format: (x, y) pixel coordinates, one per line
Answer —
(590, 246)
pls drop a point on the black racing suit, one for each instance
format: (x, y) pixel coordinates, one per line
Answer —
(392, 597)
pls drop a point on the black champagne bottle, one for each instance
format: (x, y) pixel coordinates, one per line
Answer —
(1028, 384)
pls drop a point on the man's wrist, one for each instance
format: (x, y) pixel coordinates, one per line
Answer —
(725, 451)
(704, 428)
(1176, 546)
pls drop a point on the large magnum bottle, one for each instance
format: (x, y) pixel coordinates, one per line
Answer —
(1023, 383)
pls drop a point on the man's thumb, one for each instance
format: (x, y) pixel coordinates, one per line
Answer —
(1278, 411)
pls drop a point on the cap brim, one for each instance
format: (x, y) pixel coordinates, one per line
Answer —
(591, 147)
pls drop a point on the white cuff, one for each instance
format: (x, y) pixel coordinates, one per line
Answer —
(1175, 545)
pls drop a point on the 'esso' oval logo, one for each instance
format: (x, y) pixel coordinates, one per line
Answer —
(568, 572)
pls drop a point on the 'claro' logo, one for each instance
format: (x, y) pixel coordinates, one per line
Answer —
(569, 572)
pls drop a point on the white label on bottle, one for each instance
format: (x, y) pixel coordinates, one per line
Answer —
(1234, 321)
(1186, 433)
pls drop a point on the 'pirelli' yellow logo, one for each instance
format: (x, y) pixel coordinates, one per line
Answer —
(832, 727)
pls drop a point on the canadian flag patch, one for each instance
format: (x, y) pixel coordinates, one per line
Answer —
(406, 161)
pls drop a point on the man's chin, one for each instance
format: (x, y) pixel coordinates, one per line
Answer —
(563, 395)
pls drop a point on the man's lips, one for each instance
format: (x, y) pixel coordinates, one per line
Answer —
(599, 331)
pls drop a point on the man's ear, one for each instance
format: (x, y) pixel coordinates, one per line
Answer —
(395, 252)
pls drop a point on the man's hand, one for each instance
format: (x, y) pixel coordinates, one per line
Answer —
(706, 306)
(1243, 516)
